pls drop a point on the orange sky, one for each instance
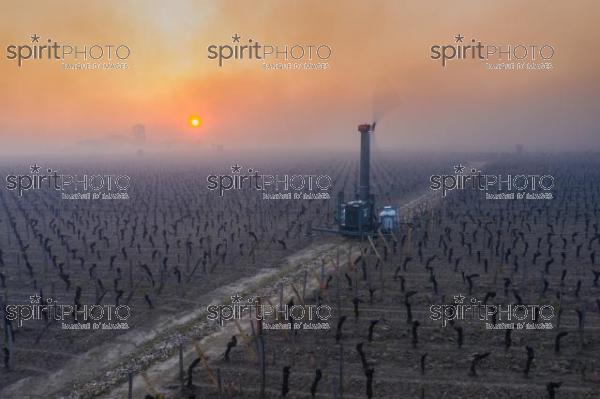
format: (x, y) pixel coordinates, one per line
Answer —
(380, 56)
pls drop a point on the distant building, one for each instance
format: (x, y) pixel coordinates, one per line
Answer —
(139, 134)
(519, 149)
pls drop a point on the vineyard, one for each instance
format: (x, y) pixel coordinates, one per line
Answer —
(175, 247)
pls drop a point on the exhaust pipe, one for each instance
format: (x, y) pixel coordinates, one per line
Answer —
(365, 149)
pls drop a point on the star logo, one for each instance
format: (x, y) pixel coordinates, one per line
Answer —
(459, 298)
(459, 168)
(459, 38)
(236, 38)
(35, 298)
(35, 38)
(236, 298)
(236, 168)
(35, 168)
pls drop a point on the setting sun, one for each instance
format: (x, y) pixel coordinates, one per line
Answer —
(195, 121)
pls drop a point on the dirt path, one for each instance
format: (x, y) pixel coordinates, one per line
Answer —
(164, 373)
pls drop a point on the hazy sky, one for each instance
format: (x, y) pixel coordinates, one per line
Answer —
(380, 61)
